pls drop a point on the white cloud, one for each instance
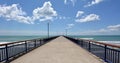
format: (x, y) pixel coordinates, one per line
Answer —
(14, 12)
(102, 30)
(65, 1)
(46, 19)
(114, 27)
(111, 28)
(79, 13)
(93, 3)
(88, 18)
(72, 1)
(69, 26)
(62, 18)
(46, 12)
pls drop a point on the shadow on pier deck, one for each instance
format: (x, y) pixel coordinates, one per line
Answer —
(59, 50)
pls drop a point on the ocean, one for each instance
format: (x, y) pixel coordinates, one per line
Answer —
(4, 39)
(115, 39)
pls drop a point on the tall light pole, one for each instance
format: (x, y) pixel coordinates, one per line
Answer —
(48, 29)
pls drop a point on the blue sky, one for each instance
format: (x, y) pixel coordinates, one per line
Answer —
(79, 17)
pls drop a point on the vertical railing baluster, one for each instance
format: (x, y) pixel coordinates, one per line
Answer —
(115, 55)
(34, 43)
(105, 52)
(43, 41)
(6, 49)
(108, 53)
(0, 54)
(10, 51)
(118, 57)
(82, 43)
(89, 46)
(112, 55)
(26, 46)
(40, 42)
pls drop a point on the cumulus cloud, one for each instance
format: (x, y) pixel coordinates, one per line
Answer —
(72, 1)
(79, 13)
(69, 26)
(88, 18)
(93, 2)
(14, 12)
(46, 12)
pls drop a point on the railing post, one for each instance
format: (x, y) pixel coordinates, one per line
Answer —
(105, 52)
(6, 48)
(118, 57)
(43, 41)
(26, 46)
(77, 41)
(89, 46)
(82, 43)
(35, 44)
(0, 56)
(40, 42)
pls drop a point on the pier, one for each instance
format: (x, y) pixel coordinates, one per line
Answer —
(59, 49)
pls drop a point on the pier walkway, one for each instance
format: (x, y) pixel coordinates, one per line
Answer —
(59, 50)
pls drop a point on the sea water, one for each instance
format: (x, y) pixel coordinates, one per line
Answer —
(113, 39)
(101, 38)
(4, 39)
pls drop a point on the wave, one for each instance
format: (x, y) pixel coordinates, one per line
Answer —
(111, 42)
(4, 42)
(88, 38)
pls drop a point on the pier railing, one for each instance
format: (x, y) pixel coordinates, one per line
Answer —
(110, 53)
(10, 51)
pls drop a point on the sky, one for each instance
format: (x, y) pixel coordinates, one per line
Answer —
(78, 17)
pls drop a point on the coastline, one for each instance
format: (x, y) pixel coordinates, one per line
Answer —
(112, 39)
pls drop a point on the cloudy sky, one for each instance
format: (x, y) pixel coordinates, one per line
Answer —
(79, 17)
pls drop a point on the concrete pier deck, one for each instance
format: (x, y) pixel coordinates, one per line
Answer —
(59, 50)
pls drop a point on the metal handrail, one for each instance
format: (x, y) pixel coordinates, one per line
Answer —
(20, 41)
(107, 44)
(110, 53)
(11, 51)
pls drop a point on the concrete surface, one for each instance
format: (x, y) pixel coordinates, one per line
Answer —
(59, 50)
